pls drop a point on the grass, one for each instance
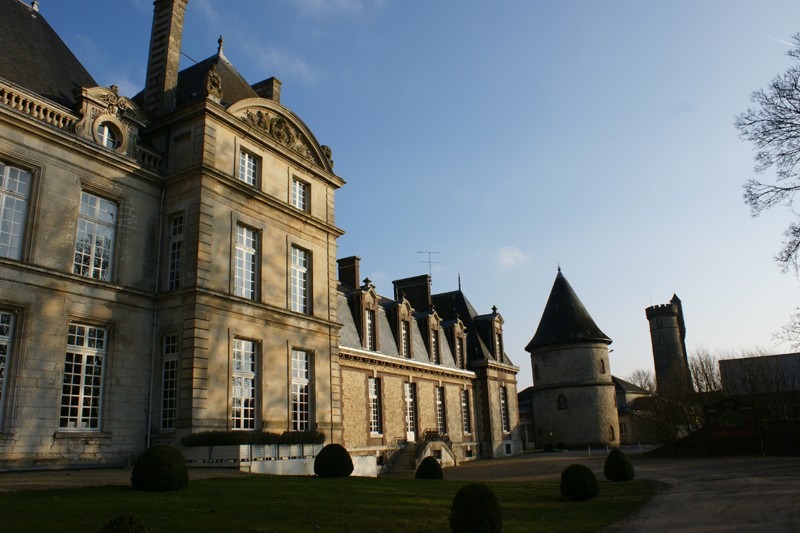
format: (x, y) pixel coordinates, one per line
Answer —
(275, 504)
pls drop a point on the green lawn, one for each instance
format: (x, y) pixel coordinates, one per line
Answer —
(266, 503)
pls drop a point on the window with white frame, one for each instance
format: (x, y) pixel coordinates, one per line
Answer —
(405, 339)
(175, 260)
(410, 394)
(300, 298)
(94, 245)
(375, 410)
(441, 413)
(169, 382)
(243, 386)
(504, 410)
(435, 357)
(82, 386)
(498, 345)
(15, 190)
(369, 325)
(246, 262)
(466, 418)
(6, 338)
(461, 346)
(300, 194)
(457, 348)
(249, 167)
(301, 382)
(107, 135)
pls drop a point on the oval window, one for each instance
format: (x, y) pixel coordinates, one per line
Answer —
(107, 135)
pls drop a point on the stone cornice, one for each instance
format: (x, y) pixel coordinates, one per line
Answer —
(366, 356)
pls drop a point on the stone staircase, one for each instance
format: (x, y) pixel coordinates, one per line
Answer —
(404, 463)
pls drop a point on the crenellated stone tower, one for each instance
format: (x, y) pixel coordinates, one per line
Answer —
(668, 334)
(573, 394)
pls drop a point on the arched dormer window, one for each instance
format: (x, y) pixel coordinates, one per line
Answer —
(497, 334)
(432, 324)
(436, 349)
(367, 306)
(404, 314)
(457, 340)
(562, 402)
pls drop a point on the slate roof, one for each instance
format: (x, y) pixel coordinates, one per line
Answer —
(625, 386)
(565, 319)
(192, 82)
(454, 304)
(33, 56)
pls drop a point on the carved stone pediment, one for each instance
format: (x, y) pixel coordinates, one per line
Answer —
(105, 106)
(284, 128)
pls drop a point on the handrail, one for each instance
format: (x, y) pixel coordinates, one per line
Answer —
(432, 435)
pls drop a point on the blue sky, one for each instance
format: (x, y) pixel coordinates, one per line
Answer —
(514, 136)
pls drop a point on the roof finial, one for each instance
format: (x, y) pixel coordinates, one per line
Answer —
(459, 281)
(35, 5)
(220, 42)
(559, 267)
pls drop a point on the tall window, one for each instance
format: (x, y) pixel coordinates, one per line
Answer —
(410, 391)
(441, 413)
(375, 414)
(15, 187)
(461, 346)
(248, 168)
(435, 358)
(405, 339)
(169, 382)
(175, 267)
(466, 418)
(504, 410)
(369, 324)
(82, 387)
(498, 345)
(243, 397)
(244, 283)
(95, 240)
(300, 280)
(301, 379)
(300, 194)
(6, 337)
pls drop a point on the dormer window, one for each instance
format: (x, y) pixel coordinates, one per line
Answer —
(435, 355)
(369, 326)
(498, 344)
(405, 339)
(107, 135)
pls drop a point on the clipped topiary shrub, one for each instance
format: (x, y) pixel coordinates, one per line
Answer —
(429, 468)
(225, 438)
(475, 509)
(160, 468)
(333, 461)
(618, 467)
(578, 483)
(548, 447)
(125, 523)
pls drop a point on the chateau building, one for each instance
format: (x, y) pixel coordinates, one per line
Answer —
(168, 265)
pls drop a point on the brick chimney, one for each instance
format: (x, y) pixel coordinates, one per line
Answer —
(164, 58)
(417, 291)
(349, 271)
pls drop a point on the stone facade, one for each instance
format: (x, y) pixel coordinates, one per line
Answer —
(168, 266)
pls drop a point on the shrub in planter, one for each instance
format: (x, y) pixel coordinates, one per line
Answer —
(333, 461)
(618, 467)
(159, 469)
(429, 468)
(125, 523)
(475, 509)
(578, 483)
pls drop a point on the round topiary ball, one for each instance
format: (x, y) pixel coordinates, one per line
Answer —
(333, 461)
(618, 467)
(160, 468)
(429, 468)
(578, 483)
(475, 509)
(125, 523)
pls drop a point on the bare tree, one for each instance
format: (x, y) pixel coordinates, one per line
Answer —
(704, 368)
(773, 126)
(644, 379)
(790, 332)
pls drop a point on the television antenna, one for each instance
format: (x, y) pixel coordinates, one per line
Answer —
(430, 261)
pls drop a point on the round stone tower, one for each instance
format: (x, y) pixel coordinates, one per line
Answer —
(668, 334)
(573, 396)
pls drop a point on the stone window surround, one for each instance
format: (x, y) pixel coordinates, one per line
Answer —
(255, 375)
(105, 368)
(307, 382)
(34, 173)
(116, 230)
(170, 353)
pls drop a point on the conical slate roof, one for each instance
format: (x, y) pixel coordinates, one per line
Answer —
(565, 319)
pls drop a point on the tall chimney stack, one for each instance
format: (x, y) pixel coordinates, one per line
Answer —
(165, 57)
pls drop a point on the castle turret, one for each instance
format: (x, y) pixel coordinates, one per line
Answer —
(668, 336)
(573, 395)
